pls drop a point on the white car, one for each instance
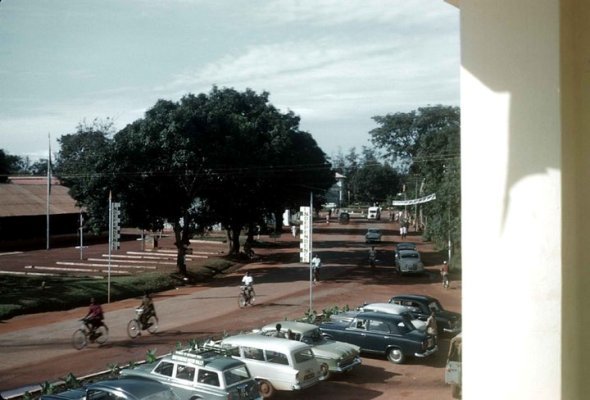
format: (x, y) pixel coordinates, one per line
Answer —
(276, 363)
(389, 308)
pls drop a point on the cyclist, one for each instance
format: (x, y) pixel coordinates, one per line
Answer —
(248, 283)
(94, 317)
(147, 305)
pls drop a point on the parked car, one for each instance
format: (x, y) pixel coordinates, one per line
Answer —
(117, 389)
(277, 364)
(397, 309)
(405, 246)
(373, 235)
(391, 335)
(447, 321)
(198, 373)
(408, 262)
(333, 356)
(344, 218)
(374, 213)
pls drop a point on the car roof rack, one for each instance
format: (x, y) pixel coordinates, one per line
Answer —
(198, 356)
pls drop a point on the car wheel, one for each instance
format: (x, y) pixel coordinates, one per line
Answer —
(325, 369)
(79, 339)
(152, 324)
(395, 355)
(265, 388)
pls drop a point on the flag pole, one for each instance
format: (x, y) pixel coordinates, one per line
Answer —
(48, 191)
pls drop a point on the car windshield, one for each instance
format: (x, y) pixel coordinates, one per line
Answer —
(303, 355)
(409, 255)
(236, 375)
(313, 337)
(435, 306)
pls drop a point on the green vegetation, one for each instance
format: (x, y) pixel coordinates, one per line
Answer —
(33, 294)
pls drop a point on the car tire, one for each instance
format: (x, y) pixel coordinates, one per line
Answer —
(325, 369)
(265, 388)
(395, 355)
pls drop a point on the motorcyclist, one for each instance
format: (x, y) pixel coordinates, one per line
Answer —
(94, 317)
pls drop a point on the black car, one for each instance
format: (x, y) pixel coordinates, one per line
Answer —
(344, 218)
(447, 321)
(392, 335)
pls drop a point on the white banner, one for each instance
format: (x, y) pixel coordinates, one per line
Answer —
(305, 234)
(411, 202)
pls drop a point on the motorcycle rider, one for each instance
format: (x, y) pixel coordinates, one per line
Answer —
(94, 317)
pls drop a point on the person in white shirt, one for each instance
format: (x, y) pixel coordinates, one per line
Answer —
(316, 263)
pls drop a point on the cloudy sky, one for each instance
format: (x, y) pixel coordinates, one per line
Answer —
(335, 63)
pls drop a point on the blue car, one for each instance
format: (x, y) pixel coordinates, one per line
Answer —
(387, 334)
(117, 389)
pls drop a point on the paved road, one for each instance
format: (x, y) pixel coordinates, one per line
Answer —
(37, 348)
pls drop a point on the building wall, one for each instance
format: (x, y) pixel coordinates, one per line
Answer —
(512, 199)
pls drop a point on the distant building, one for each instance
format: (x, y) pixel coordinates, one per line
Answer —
(23, 210)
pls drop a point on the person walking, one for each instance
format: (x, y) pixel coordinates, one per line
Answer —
(444, 272)
(431, 326)
(316, 264)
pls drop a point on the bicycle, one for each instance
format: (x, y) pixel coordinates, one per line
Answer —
(247, 296)
(136, 325)
(85, 335)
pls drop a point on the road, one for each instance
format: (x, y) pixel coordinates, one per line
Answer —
(36, 348)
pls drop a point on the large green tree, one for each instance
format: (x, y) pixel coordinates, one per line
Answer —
(426, 144)
(225, 156)
(83, 164)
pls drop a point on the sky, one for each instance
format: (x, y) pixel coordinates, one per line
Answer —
(335, 63)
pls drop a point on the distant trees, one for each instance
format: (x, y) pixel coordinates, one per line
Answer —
(425, 143)
(226, 156)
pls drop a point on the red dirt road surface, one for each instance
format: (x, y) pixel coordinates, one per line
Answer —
(37, 348)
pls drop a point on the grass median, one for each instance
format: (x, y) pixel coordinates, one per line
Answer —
(34, 294)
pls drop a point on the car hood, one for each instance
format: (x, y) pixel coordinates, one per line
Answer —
(333, 349)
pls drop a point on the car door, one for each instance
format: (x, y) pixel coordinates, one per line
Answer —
(378, 335)
(356, 332)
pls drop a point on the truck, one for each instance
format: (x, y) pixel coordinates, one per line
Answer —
(374, 213)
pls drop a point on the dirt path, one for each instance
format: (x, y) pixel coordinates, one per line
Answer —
(37, 348)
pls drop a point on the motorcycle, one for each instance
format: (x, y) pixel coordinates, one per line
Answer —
(247, 296)
(136, 325)
(86, 334)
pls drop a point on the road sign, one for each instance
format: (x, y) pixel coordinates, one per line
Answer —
(305, 235)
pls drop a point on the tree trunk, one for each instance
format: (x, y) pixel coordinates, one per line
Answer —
(180, 240)
(233, 238)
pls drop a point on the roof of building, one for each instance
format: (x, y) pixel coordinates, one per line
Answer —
(28, 196)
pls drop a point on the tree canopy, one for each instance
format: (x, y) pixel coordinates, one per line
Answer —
(426, 144)
(226, 156)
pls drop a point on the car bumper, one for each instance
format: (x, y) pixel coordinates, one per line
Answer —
(427, 353)
(347, 367)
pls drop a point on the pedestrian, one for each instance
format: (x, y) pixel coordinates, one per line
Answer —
(431, 327)
(294, 230)
(444, 272)
(316, 264)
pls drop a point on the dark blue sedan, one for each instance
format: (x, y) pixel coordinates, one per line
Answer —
(391, 335)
